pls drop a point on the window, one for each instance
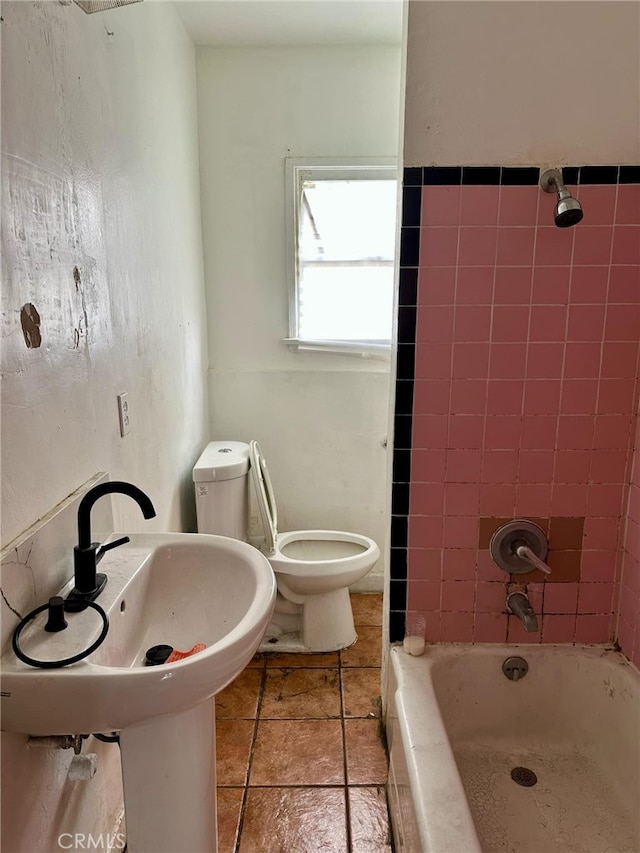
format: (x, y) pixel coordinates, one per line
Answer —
(341, 221)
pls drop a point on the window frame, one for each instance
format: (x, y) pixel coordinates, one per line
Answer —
(326, 168)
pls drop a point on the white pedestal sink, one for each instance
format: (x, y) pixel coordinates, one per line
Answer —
(175, 589)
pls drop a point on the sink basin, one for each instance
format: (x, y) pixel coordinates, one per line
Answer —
(175, 589)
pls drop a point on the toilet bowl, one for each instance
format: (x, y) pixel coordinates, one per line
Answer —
(313, 568)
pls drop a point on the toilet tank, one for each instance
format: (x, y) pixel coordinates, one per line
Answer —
(221, 480)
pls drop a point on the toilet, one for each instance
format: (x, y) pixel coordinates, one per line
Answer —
(313, 568)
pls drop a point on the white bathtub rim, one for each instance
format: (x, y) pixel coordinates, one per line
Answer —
(441, 811)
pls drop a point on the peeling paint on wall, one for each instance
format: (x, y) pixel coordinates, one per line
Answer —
(30, 321)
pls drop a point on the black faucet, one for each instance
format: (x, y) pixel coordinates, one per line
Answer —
(87, 554)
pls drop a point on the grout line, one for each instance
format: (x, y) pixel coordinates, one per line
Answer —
(245, 787)
(345, 788)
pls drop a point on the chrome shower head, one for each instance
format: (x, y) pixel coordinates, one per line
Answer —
(568, 210)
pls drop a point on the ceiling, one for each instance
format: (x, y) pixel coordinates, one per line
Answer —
(282, 22)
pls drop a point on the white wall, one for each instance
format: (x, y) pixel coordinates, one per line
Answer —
(319, 418)
(100, 168)
(522, 82)
(100, 172)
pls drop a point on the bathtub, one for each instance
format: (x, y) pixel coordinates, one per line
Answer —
(457, 727)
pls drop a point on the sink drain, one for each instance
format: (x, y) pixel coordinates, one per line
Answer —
(523, 776)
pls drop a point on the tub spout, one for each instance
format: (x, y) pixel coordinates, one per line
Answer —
(520, 606)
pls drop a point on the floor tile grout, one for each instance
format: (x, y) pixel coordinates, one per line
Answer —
(347, 808)
(254, 736)
(338, 666)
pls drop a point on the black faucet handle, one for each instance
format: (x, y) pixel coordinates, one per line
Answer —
(104, 548)
(56, 621)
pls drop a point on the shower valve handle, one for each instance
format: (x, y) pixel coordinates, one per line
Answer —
(528, 556)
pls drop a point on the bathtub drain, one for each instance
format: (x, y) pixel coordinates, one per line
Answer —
(523, 776)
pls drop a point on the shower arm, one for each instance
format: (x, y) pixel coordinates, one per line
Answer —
(552, 181)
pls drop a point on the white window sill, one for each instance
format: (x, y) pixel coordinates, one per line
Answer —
(362, 349)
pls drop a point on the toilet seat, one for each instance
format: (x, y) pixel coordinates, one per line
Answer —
(314, 561)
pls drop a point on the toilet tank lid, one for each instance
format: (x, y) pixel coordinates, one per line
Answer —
(222, 460)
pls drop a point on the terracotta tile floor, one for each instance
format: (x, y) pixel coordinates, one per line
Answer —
(301, 759)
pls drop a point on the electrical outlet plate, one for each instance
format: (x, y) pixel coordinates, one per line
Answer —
(124, 414)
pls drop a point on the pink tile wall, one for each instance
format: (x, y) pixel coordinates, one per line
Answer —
(527, 348)
(629, 606)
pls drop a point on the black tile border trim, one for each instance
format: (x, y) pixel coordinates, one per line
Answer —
(629, 175)
(414, 179)
(515, 176)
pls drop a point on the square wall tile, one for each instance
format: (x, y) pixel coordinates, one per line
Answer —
(497, 499)
(425, 564)
(612, 432)
(479, 205)
(490, 628)
(551, 285)
(545, 361)
(436, 286)
(586, 323)
(510, 323)
(472, 323)
(512, 285)
(458, 596)
(592, 245)
(435, 324)
(491, 596)
(600, 201)
(438, 246)
(593, 629)
(466, 431)
(459, 531)
(503, 432)
(589, 284)
(470, 360)
(474, 285)
(554, 246)
(518, 205)
(561, 598)
(626, 245)
(548, 323)
(595, 598)
(477, 246)
(533, 499)
(623, 323)
(459, 564)
(440, 206)
(515, 247)
(463, 499)
(558, 629)
(456, 627)
(628, 205)
(463, 466)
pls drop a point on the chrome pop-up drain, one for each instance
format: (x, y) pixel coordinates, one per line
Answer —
(523, 776)
(515, 668)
